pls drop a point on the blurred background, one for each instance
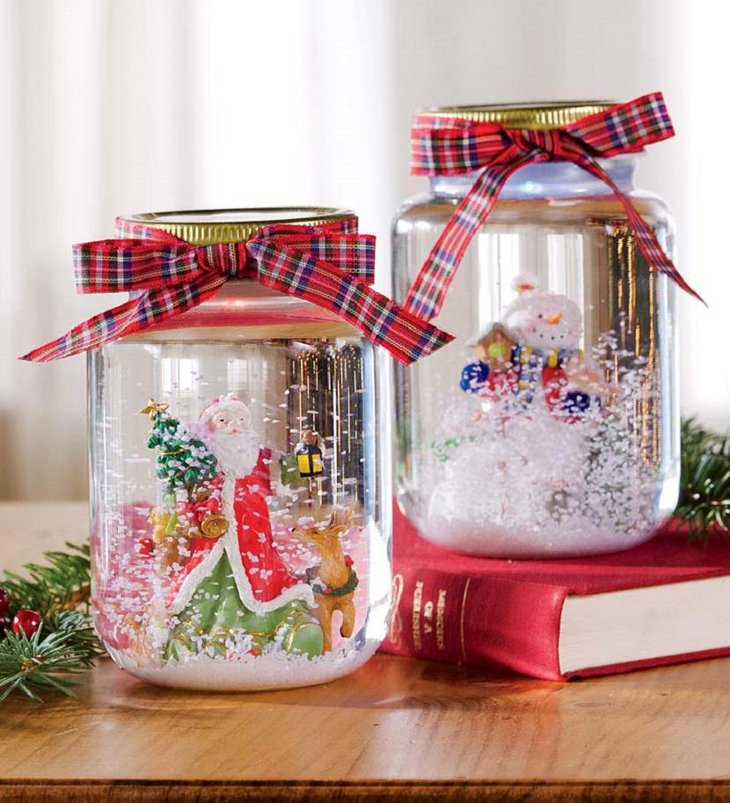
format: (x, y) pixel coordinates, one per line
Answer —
(111, 106)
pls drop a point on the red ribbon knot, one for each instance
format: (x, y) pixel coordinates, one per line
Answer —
(227, 259)
(455, 146)
(329, 265)
(549, 143)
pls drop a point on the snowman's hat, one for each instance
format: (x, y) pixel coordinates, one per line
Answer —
(526, 282)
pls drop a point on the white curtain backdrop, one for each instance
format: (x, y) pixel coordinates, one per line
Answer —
(110, 106)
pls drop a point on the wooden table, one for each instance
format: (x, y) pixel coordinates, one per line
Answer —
(394, 729)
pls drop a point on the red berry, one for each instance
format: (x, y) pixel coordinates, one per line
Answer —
(4, 602)
(5, 624)
(145, 547)
(26, 621)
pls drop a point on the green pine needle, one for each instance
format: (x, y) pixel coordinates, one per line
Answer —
(704, 502)
(45, 661)
(64, 584)
(65, 644)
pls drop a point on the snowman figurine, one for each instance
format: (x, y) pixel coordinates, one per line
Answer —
(534, 353)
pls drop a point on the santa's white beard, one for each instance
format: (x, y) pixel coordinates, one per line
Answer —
(236, 454)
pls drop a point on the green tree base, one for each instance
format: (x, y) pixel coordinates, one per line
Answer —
(215, 619)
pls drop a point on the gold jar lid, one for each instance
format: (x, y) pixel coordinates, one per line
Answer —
(213, 226)
(532, 116)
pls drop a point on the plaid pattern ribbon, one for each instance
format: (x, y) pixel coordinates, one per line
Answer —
(453, 146)
(329, 265)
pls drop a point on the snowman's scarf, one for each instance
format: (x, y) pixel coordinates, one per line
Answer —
(530, 362)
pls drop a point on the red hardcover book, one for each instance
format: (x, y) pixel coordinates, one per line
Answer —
(663, 602)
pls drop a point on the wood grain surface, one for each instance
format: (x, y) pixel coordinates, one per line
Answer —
(394, 729)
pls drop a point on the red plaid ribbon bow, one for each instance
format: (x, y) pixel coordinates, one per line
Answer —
(453, 146)
(330, 265)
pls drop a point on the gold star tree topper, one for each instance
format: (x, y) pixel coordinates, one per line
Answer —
(153, 407)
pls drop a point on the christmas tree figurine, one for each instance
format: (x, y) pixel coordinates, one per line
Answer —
(183, 465)
(183, 461)
(232, 592)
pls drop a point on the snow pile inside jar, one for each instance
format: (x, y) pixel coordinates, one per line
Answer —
(509, 479)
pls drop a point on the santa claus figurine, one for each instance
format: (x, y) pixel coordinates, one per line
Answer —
(535, 349)
(233, 587)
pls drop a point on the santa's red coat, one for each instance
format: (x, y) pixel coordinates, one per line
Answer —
(267, 573)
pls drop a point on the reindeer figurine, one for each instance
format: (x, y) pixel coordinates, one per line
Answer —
(334, 580)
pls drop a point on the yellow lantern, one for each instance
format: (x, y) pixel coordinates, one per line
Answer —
(310, 458)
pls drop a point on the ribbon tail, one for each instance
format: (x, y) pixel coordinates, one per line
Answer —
(428, 292)
(645, 237)
(351, 252)
(140, 312)
(381, 320)
(624, 128)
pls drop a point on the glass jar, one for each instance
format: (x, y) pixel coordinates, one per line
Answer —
(239, 537)
(550, 426)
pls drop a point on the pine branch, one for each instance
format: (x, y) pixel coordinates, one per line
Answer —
(45, 662)
(704, 502)
(65, 644)
(64, 585)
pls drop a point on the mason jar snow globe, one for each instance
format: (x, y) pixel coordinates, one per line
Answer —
(549, 427)
(240, 516)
